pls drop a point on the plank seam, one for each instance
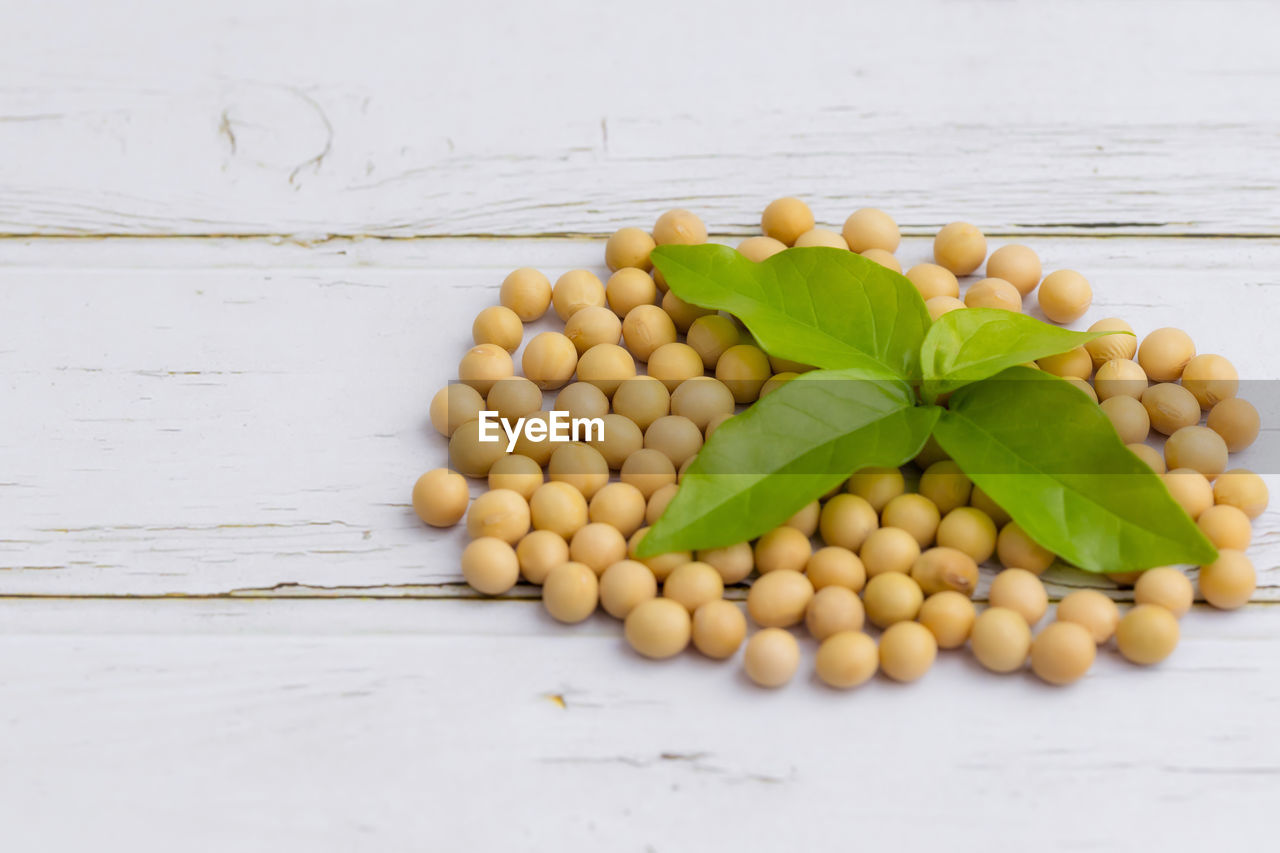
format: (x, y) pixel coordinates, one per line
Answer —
(318, 594)
(1069, 231)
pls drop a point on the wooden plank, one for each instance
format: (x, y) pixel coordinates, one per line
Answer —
(403, 725)
(243, 418)
(435, 119)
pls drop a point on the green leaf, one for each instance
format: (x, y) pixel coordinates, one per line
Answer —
(965, 346)
(1050, 457)
(821, 306)
(761, 467)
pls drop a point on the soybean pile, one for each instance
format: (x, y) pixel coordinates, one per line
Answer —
(881, 571)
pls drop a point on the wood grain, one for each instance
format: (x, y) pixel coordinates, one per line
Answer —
(240, 418)
(563, 118)
(221, 626)
(404, 725)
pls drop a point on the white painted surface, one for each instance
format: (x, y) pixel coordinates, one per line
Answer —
(253, 416)
(402, 118)
(187, 421)
(373, 725)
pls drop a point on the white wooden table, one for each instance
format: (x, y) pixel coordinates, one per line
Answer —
(242, 245)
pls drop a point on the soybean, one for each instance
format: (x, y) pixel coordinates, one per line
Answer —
(891, 598)
(907, 651)
(779, 599)
(490, 566)
(846, 659)
(539, 552)
(1062, 653)
(1020, 591)
(527, 292)
(1229, 581)
(960, 247)
(440, 497)
(1164, 353)
(1147, 634)
(624, 585)
(949, 616)
(629, 248)
(833, 609)
(1001, 639)
(693, 585)
(1237, 421)
(575, 290)
(786, 219)
(1065, 295)
(1092, 609)
(658, 628)
(571, 592)
(718, 629)
(1166, 586)
(870, 228)
(1019, 265)
(771, 657)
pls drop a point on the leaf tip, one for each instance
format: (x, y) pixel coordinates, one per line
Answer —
(1208, 553)
(650, 544)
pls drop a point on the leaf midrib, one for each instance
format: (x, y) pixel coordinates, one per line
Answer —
(779, 316)
(797, 457)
